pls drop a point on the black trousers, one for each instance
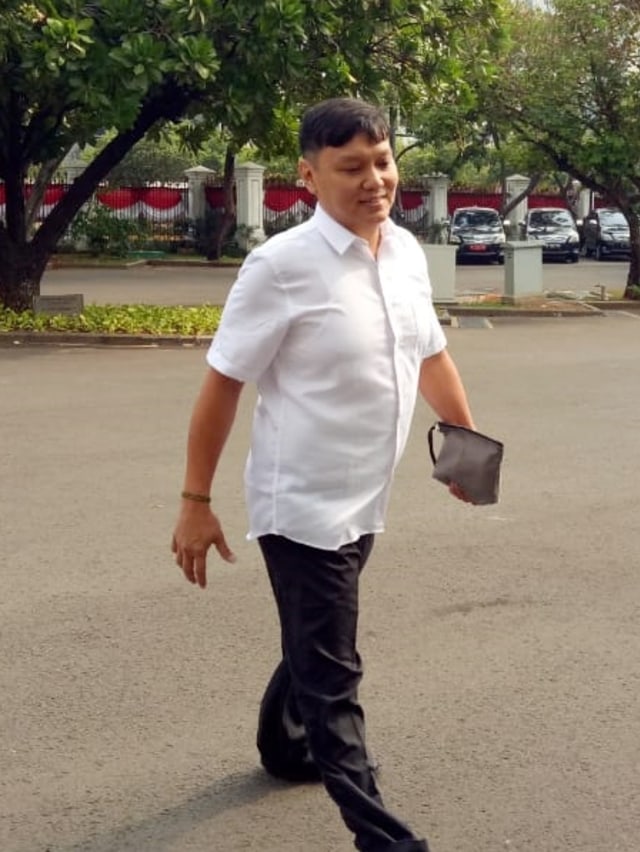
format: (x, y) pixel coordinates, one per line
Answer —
(310, 720)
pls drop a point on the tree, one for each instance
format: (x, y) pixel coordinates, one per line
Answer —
(69, 69)
(570, 88)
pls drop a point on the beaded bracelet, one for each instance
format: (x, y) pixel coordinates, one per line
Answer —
(197, 498)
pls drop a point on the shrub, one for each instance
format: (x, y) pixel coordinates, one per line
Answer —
(104, 233)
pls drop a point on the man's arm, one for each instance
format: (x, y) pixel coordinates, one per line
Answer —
(198, 527)
(441, 386)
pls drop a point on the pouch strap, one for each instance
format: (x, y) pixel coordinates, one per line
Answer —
(430, 439)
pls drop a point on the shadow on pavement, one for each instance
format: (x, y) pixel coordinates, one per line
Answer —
(165, 828)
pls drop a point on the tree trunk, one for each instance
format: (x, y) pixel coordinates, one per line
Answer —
(23, 262)
(227, 221)
(632, 290)
(20, 273)
(509, 205)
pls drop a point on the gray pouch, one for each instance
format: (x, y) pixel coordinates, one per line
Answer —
(470, 459)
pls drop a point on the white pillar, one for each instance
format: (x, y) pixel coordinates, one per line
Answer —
(438, 186)
(197, 179)
(585, 203)
(515, 185)
(72, 166)
(250, 200)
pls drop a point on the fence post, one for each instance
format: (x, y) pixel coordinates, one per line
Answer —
(515, 185)
(438, 186)
(250, 201)
(197, 178)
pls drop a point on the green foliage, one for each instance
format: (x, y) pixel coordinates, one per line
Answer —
(119, 319)
(104, 233)
(70, 69)
(448, 123)
(570, 89)
(163, 155)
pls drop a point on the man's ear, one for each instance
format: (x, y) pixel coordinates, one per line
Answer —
(305, 170)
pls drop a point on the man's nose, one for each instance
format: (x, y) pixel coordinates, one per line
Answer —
(373, 177)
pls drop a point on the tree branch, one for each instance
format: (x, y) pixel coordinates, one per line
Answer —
(45, 173)
(169, 104)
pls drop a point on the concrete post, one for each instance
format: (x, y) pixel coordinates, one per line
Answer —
(250, 200)
(441, 261)
(197, 178)
(438, 186)
(522, 270)
(515, 185)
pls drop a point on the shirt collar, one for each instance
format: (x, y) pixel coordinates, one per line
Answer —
(339, 237)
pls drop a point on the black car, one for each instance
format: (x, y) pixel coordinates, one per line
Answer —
(477, 232)
(556, 230)
(606, 234)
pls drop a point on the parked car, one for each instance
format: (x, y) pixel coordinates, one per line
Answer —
(477, 232)
(606, 234)
(556, 229)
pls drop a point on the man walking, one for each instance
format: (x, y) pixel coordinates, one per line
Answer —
(333, 321)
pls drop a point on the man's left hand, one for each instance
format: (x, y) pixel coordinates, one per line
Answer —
(459, 493)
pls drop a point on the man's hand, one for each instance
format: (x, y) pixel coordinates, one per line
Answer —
(196, 530)
(459, 493)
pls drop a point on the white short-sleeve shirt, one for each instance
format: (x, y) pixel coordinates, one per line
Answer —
(334, 339)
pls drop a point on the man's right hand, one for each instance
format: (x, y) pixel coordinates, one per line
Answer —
(196, 530)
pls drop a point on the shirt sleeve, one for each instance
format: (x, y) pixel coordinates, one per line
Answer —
(254, 321)
(432, 336)
(437, 340)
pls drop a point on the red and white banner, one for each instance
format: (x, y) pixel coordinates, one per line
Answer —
(290, 202)
(156, 203)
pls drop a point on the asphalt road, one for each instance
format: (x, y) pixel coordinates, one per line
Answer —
(501, 645)
(170, 286)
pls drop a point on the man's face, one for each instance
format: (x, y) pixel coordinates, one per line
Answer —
(355, 183)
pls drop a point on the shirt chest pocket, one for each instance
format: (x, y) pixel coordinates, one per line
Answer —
(404, 322)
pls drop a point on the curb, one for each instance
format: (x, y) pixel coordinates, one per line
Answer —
(524, 312)
(182, 264)
(186, 264)
(55, 265)
(70, 338)
(631, 306)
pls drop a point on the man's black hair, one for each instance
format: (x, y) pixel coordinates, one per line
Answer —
(336, 121)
